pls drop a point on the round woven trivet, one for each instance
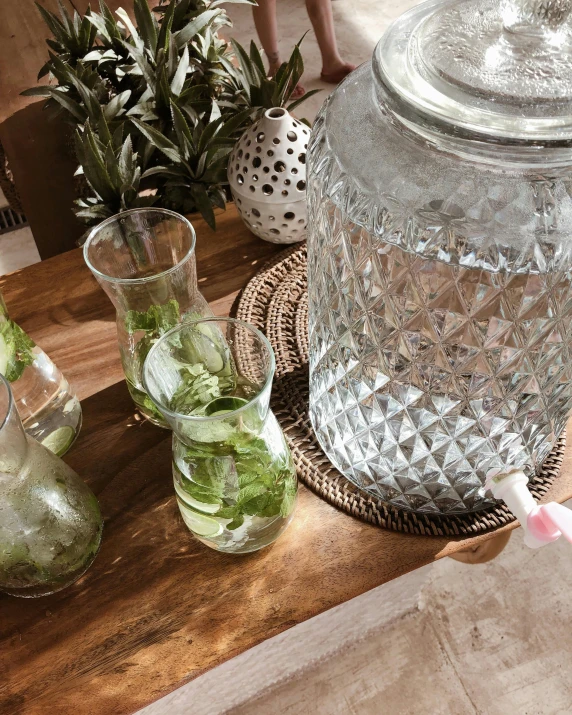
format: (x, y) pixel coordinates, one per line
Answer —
(276, 302)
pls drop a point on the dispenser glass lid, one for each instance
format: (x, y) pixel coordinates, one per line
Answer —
(498, 67)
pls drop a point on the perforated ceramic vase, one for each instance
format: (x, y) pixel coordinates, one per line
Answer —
(267, 175)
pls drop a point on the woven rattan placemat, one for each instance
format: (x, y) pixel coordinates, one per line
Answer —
(276, 301)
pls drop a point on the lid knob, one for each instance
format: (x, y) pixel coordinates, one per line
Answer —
(531, 15)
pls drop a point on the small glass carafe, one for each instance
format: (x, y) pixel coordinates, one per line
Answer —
(144, 259)
(50, 411)
(234, 477)
(50, 523)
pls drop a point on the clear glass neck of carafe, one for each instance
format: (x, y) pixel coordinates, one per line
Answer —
(145, 257)
(13, 440)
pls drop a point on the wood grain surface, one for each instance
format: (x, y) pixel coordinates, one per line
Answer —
(157, 608)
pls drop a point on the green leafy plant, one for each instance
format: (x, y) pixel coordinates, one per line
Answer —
(16, 348)
(157, 102)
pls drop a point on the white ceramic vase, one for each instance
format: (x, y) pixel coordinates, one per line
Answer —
(267, 176)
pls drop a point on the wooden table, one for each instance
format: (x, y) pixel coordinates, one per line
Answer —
(157, 608)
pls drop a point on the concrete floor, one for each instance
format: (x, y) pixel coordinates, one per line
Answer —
(492, 639)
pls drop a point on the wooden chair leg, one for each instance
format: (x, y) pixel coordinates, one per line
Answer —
(486, 551)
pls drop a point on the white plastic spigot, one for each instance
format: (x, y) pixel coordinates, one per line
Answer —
(542, 523)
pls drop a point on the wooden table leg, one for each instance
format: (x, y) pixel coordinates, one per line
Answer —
(486, 551)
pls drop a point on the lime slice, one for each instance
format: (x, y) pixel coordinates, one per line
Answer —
(224, 405)
(200, 524)
(60, 440)
(195, 503)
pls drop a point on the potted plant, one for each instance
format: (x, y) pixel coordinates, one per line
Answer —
(157, 103)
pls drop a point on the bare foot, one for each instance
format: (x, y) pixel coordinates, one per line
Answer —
(336, 73)
(298, 90)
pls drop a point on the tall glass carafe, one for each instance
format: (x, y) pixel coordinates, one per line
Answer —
(50, 411)
(234, 476)
(144, 259)
(440, 254)
(50, 523)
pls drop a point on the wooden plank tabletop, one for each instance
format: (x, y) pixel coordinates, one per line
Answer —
(157, 608)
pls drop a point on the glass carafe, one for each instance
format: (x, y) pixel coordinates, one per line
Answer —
(50, 523)
(234, 477)
(144, 259)
(50, 411)
(440, 254)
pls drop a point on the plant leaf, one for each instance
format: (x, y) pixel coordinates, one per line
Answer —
(142, 64)
(303, 98)
(216, 3)
(181, 73)
(42, 91)
(55, 26)
(115, 107)
(164, 38)
(195, 26)
(120, 12)
(203, 203)
(71, 105)
(256, 59)
(126, 162)
(146, 23)
(158, 140)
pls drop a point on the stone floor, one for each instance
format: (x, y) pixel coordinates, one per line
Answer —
(488, 640)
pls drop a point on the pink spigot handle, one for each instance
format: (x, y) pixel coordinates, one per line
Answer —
(542, 523)
(548, 522)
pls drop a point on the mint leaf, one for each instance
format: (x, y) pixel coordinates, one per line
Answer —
(288, 502)
(257, 506)
(19, 347)
(250, 492)
(158, 319)
(202, 494)
(227, 512)
(206, 432)
(213, 473)
(235, 523)
(142, 399)
(198, 387)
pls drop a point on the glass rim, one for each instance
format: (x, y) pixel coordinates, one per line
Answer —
(112, 219)
(4, 384)
(227, 415)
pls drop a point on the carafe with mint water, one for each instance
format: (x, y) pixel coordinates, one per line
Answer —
(233, 473)
(440, 254)
(49, 409)
(144, 259)
(50, 522)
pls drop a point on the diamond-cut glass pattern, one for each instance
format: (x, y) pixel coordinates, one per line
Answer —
(426, 371)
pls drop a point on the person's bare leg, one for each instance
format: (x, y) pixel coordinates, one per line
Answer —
(267, 28)
(264, 15)
(322, 19)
